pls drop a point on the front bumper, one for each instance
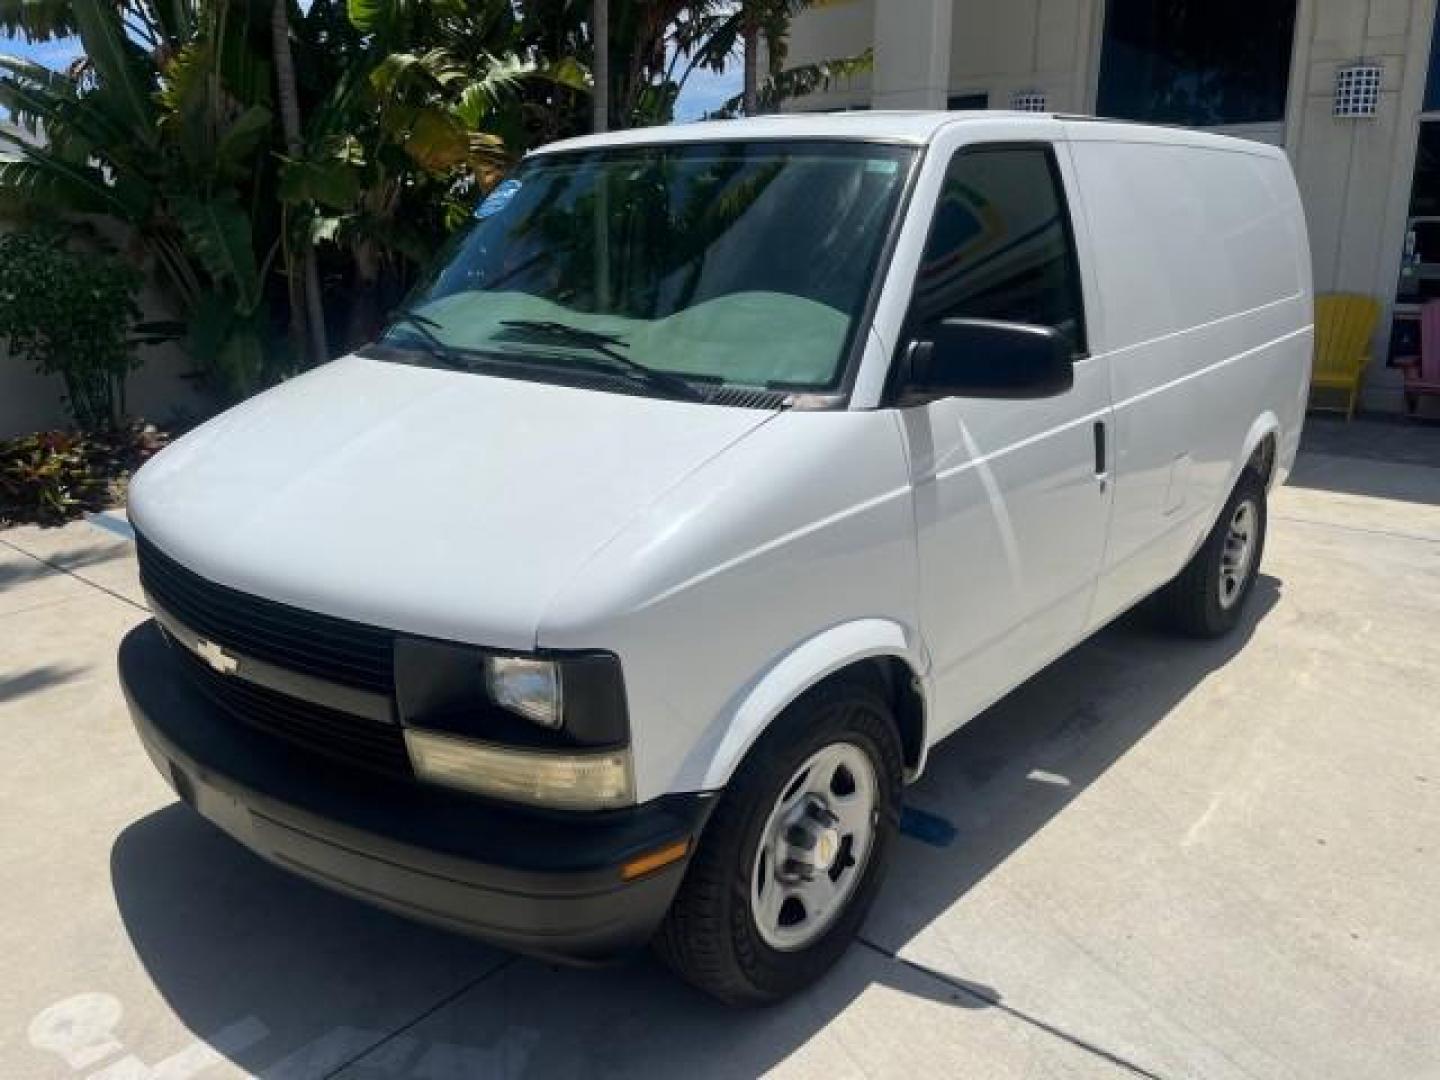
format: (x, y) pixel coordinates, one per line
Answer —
(542, 883)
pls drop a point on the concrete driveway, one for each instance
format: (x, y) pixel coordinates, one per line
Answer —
(1156, 859)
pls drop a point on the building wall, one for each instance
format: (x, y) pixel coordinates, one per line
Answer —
(843, 28)
(1354, 175)
(1025, 46)
(997, 46)
(912, 53)
(157, 391)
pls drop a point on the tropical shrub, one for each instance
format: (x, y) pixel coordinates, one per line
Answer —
(230, 138)
(52, 476)
(283, 167)
(71, 313)
(164, 130)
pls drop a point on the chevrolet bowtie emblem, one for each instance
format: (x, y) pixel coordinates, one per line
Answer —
(217, 657)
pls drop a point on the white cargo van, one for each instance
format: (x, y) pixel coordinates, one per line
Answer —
(714, 476)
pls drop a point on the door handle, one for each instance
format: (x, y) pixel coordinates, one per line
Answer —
(1102, 463)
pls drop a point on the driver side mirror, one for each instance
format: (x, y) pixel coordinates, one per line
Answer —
(984, 358)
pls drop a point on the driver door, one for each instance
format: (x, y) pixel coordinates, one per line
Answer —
(1012, 497)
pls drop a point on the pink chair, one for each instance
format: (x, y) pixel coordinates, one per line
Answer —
(1422, 373)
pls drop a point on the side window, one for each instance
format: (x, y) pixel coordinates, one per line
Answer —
(1001, 246)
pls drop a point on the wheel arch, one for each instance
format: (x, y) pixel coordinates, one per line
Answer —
(879, 650)
(1260, 450)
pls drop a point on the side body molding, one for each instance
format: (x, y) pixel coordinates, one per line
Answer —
(718, 754)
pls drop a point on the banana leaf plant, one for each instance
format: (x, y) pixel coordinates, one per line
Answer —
(423, 117)
(399, 116)
(166, 129)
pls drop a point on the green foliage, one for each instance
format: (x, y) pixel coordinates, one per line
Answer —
(39, 20)
(217, 232)
(46, 478)
(388, 20)
(788, 83)
(166, 130)
(410, 110)
(53, 476)
(71, 314)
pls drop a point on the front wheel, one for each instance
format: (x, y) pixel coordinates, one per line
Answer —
(794, 854)
(1207, 599)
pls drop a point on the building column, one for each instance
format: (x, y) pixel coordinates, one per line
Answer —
(912, 54)
(1355, 175)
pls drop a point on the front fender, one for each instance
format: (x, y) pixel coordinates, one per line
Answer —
(718, 755)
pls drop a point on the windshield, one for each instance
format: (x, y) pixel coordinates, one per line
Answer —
(744, 263)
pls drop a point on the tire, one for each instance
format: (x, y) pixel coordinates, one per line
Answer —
(712, 935)
(1208, 598)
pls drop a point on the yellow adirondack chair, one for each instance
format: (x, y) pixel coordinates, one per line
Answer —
(1344, 323)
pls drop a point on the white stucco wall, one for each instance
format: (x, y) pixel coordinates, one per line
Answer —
(1025, 46)
(157, 391)
(996, 46)
(31, 402)
(1354, 175)
(912, 53)
(844, 28)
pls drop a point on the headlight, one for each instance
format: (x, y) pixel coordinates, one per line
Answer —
(550, 729)
(529, 686)
(589, 781)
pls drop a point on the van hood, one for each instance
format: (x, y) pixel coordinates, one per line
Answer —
(435, 502)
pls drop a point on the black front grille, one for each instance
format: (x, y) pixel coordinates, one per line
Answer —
(320, 646)
(338, 736)
(335, 650)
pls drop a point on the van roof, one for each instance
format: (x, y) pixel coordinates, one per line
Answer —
(914, 128)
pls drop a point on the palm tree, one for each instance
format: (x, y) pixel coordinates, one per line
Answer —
(750, 46)
(744, 28)
(224, 135)
(741, 28)
(770, 20)
(601, 32)
(37, 21)
(164, 130)
(306, 303)
(427, 109)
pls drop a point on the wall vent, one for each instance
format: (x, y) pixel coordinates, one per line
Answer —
(1357, 90)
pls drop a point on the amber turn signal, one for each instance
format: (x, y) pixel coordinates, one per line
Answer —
(654, 860)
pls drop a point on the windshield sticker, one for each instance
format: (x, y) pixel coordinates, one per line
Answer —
(886, 168)
(498, 199)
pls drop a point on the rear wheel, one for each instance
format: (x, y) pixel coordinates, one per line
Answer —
(794, 853)
(1208, 597)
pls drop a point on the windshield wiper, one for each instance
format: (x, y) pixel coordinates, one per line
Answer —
(425, 327)
(607, 346)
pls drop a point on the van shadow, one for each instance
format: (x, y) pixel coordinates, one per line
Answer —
(1360, 458)
(288, 980)
(14, 686)
(1366, 477)
(78, 556)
